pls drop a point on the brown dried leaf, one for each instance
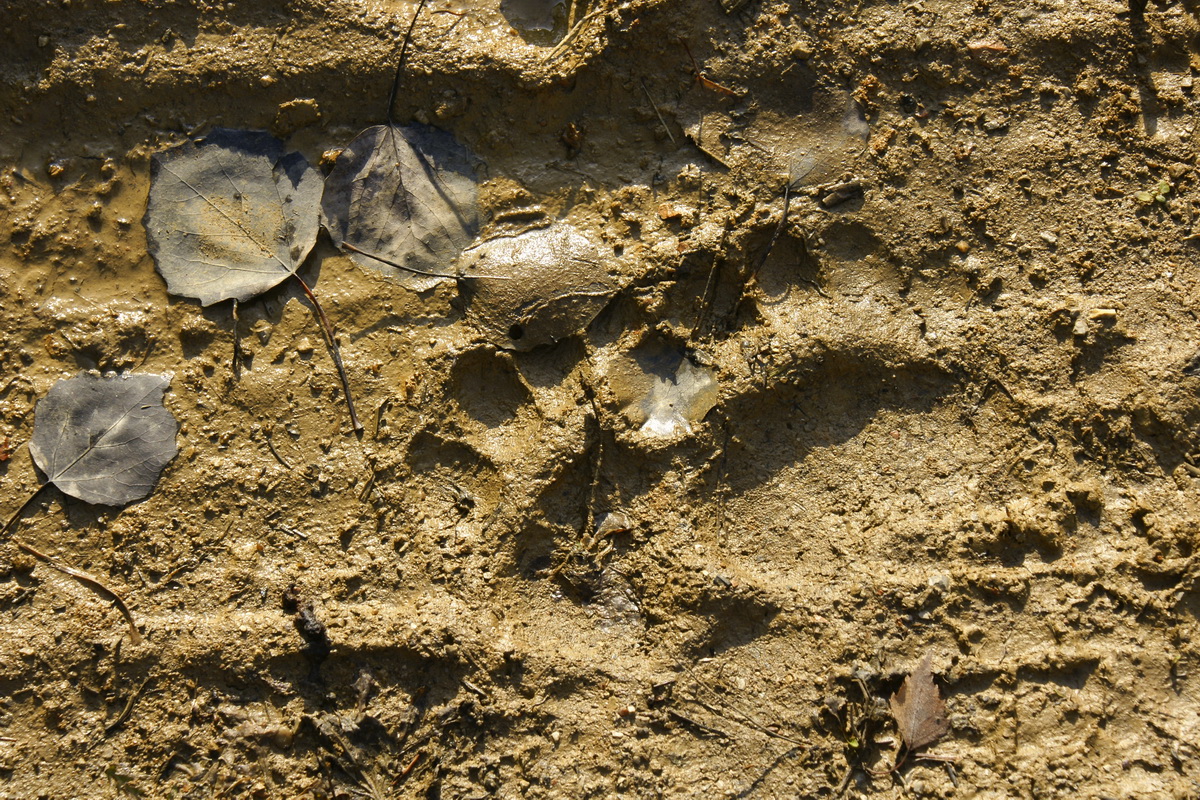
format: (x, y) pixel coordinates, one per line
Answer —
(918, 708)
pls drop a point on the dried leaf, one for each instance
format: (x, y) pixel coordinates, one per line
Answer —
(403, 200)
(537, 287)
(104, 440)
(231, 217)
(918, 708)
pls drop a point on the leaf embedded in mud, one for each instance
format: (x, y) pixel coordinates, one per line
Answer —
(104, 439)
(678, 401)
(825, 141)
(407, 195)
(232, 216)
(536, 287)
(918, 708)
(663, 390)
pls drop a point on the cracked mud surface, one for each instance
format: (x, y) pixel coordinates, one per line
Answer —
(955, 410)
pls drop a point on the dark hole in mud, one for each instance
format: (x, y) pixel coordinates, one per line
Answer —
(515, 331)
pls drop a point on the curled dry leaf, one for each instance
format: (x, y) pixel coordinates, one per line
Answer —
(918, 708)
(232, 216)
(403, 200)
(104, 439)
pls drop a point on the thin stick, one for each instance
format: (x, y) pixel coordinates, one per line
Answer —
(274, 452)
(411, 765)
(127, 711)
(709, 287)
(744, 719)
(662, 121)
(762, 261)
(17, 514)
(787, 198)
(400, 61)
(327, 330)
(571, 34)
(416, 271)
(704, 81)
(90, 582)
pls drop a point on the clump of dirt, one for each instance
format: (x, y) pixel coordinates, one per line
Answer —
(925, 277)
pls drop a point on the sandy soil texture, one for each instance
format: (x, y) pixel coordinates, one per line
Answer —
(895, 353)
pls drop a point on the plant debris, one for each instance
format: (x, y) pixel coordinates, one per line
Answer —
(540, 286)
(231, 217)
(104, 440)
(403, 200)
(918, 708)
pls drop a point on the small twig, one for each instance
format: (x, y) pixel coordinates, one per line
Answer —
(121, 719)
(387, 401)
(673, 714)
(327, 330)
(237, 345)
(571, 34)
(92, 583)
(845, 784)
(415, 271)
(701, 78)
(16, 515)
(404, 773)
(400, 61)
(709, 288)
(816, 287)
(787, 199)
(762, 261)
(715, 158)
(288, 529)
(274, 452)
(718, 488)
(657, 113)
(370, 484)
(173, 576)
(744, 719)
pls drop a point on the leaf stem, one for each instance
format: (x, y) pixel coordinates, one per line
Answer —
(400, 61)
(327, 330)
(28, 502)
(87, 580)
(416, 271)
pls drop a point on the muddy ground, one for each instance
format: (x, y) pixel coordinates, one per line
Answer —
(955, 410)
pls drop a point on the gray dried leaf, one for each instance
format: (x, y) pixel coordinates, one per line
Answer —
(536, 287)
(104, 439)
(918, 708)
(403, 200)
(231, 217)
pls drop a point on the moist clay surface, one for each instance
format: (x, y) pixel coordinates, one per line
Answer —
(896, 353)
